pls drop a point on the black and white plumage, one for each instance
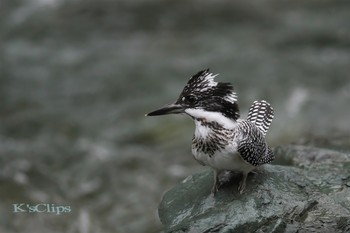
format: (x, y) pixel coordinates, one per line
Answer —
(261, 114)
(222, 140)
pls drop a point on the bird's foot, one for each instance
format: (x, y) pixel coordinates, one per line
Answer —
(242, 183)
(241, 187)
(253, 173)
(214, 190)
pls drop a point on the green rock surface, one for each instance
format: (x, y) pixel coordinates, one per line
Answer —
(310, 192)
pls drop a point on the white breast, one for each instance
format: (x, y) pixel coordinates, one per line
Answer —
(228, 159)
(223, 159)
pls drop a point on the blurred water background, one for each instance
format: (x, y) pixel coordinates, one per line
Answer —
(77, 77)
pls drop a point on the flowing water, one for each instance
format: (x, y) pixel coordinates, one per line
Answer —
(77, 77)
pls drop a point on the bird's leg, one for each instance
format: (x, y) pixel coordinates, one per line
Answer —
(241, 187)
(215, 187)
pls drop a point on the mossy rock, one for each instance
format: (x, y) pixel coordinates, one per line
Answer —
(310, 193)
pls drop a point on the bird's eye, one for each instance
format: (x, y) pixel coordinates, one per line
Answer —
(191, 99)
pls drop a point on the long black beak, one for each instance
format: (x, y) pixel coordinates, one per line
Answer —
(167, 109)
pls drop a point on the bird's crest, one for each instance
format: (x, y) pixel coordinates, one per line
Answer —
(203, 83)
(203, 92)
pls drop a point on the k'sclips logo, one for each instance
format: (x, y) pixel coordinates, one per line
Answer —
(40, 208)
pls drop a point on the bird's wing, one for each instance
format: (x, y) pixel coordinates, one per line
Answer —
(252, 147)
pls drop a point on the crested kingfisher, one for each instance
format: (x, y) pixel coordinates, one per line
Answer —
(222, 140)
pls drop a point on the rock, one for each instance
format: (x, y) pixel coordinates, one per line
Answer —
(309, 193)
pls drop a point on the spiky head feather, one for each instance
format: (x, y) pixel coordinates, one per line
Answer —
(203, 92)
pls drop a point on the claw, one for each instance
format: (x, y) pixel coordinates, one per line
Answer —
(214, 190)
(242, 183)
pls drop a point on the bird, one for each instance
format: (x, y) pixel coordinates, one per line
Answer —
(222, 140)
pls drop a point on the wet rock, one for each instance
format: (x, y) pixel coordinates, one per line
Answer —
(309, 193)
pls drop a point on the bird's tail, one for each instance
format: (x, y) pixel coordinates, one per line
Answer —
(261, 114)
